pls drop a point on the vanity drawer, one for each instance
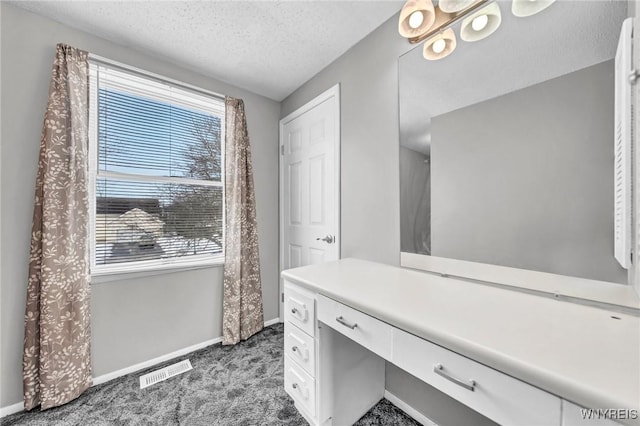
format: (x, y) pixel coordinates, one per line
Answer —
(371, 333)
(299, 308)
(501, 398)
(300, 386)
(300, 347)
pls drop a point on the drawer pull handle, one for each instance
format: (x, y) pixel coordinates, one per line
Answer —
(294, 311)
(439, 370)
(303, 391)
(346, 324)
(303, 354)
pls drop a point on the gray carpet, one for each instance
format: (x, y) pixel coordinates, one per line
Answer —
(238, 385)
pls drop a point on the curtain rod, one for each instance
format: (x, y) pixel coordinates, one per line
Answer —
(148, 74)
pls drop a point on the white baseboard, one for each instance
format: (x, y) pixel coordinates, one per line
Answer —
(150, 363)
(11, 409)
(19, 406)
(271, 322)
(154, 361)
(409, 410)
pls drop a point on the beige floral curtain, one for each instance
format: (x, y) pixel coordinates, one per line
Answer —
(57, 353)
(242, 303)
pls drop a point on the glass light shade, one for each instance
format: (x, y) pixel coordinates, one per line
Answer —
(433, 49)
(451, 6)
(494, 18)
(410, 25)
(524, 8)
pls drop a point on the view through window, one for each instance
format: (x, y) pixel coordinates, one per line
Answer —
(157, 172)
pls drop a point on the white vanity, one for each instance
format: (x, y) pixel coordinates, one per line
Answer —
(517, 358)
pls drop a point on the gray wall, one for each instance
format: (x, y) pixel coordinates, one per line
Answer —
(368, 77)
(130, 319)
(526, 179)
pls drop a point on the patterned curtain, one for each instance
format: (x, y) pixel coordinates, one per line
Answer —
(57, 353)
(242, 303)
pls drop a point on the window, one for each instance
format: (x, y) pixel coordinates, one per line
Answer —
(157, 167)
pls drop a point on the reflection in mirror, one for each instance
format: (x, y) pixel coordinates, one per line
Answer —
(506, 152)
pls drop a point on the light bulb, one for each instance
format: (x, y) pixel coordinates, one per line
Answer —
(416, 19)
(479, 22)
(438, 46)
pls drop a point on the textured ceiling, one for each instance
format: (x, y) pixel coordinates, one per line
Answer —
(566, 37)
(268, 47)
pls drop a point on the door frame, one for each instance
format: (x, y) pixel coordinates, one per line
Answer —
(328, 94)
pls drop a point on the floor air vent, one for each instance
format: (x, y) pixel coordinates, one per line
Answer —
(164, 373)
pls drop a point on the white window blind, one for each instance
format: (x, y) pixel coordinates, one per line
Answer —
(157, 169)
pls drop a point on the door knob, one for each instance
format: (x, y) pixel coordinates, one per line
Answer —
(329, 239)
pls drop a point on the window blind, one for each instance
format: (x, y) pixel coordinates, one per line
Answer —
(158, 167)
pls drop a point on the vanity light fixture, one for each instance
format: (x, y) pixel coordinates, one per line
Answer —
(420, 20)
(440, 46)
(481, 24)
(416, 17)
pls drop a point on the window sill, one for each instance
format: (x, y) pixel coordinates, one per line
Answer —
(130, 273)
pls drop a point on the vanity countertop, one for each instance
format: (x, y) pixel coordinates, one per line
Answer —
(580, 353)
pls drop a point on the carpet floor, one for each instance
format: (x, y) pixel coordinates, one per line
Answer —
(229, 385)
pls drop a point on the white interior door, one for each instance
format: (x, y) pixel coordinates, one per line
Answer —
(310, 183)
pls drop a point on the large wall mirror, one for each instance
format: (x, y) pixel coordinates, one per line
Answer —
(507, 148)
